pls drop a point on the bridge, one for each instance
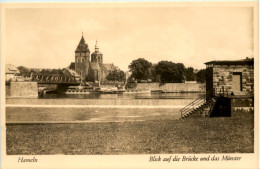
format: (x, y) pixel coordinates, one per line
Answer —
(58, 79)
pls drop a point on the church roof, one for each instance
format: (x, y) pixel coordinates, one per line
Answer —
(109, 67)
(82, 46)
(71, 72)
(72, 66)
(94, 65)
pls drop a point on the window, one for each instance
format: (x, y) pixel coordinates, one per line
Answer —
(78, 60)
(83, 60)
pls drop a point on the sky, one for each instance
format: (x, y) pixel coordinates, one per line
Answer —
(48, 37)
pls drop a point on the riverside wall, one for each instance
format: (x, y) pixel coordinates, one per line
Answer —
(22, 90)
(172, 87)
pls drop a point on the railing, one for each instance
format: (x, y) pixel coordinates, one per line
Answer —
(195, 104)
(216, 92)
(55, 82)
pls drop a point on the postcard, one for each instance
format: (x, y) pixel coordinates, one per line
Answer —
(129, 85)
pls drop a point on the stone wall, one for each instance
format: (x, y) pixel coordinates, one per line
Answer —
(222, 77)
(172, 87)
(22, 90)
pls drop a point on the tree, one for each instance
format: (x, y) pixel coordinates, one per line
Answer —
(180, 73)
(189, 74)
(23, 70)
(201, 76)
(170, 72)
(116, 75)
(166, 70)
(140, 69)
(152, 73)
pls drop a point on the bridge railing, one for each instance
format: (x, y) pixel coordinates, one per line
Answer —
(54, 79)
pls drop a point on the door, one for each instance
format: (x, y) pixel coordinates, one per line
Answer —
(237, 82)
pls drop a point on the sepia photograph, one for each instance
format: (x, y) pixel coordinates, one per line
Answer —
(129, 78)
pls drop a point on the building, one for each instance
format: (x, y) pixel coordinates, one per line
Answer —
(228, 83)
(230, 77)
(11, 73)
(90, 69)
(70, 72)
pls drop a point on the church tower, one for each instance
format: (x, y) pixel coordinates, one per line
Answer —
(82, 58)
(97, 57)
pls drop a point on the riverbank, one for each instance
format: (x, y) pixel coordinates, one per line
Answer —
(198, 135)
(172, 87)
(171, 99)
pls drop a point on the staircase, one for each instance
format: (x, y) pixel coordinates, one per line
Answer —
(198, 108)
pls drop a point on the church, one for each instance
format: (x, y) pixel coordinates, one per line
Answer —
(90, 67)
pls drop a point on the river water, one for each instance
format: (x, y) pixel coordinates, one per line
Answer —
(62, 108)
(126, 95)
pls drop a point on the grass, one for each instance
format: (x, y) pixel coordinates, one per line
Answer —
(192, 135)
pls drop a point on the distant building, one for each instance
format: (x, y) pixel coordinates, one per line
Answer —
(90, 70)
(70, 72)
(11, 73)
(230, 77)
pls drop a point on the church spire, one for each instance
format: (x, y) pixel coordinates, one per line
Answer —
(96, 47)
(97, 57)
(82, 46)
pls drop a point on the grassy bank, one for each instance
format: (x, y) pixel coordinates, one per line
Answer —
(201, 135)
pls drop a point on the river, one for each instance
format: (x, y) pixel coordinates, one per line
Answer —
(62, 108)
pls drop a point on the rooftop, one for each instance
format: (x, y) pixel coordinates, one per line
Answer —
(109, 66)
(82, 46)
(11, 69)
(247, 61)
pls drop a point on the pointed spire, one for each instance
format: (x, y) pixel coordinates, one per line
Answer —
(82, 46)
(82, 41)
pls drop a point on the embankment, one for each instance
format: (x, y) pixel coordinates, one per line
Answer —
(22, 90)
(172, 87)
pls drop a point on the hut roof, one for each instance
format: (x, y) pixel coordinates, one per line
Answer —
(247, 61)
